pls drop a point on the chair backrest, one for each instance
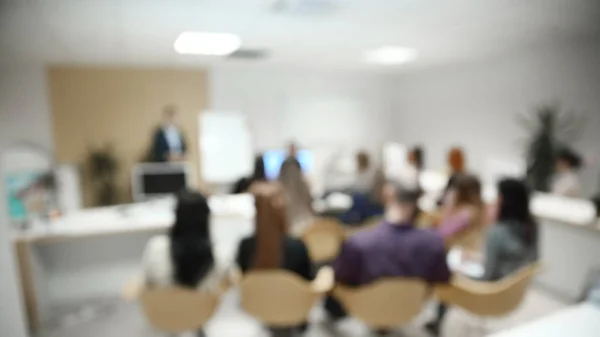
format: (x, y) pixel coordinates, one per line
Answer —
(490, 299)
(277, 297)
(176, 310)
(323, 240)
(386, 303)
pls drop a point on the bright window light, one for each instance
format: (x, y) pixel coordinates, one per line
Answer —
(391, 55)
(200, 43)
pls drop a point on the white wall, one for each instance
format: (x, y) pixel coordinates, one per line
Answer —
(314, 107)
(24, 115)
(475, 105)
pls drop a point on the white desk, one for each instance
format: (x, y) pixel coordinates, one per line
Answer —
(91, 253)
(578, 321)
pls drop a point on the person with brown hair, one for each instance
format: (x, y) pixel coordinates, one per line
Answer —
(456, 165)
(270, 247)
(462, 210)
(299, 212)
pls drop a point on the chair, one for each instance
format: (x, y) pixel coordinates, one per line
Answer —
(488, 299)
(176, 310)
(323, 240)
(172, 309)
(280, 298)
(385, 304)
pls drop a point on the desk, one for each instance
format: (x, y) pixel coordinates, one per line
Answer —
(578, 321)
(91, 253)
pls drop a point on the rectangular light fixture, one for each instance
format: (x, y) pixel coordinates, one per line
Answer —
(391, 55)
(202, 43)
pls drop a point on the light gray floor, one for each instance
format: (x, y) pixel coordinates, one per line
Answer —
(120, 319)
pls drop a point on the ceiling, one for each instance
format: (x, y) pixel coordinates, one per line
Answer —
(142, 32)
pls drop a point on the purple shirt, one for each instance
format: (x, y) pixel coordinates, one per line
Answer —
(392, 251)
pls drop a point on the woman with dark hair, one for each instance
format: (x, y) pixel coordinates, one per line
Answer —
(258, 175)
(567, 182)
(511, 243)
(270, 247)
(184, 257)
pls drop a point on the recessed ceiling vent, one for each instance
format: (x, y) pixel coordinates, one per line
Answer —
(249, 54)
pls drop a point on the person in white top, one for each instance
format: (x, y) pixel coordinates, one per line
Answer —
(184, 257)
(567, 182)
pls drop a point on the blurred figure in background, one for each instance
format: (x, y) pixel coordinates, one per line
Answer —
(365, 174)
(409, 176)
(456, 166)
(366, 193)
(396, 248)
(168, 141)
(512, 243)
(463, 214)
(184, 257)
(292, 153)
(299, 212)
(567, 182)
(258, 175)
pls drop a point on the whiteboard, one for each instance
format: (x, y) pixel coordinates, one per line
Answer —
(225, 145)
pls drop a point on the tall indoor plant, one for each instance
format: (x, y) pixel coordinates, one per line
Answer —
(550, 129)
(102, 165)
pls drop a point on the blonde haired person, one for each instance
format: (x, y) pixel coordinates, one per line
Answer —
(299, 212)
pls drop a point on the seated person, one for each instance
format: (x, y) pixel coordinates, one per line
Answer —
(259, 175)
(511, 243)
(567, 182)
(299, 213)
(184, 257)
(394, 248)
(366, 205)
(270, 247)
(463, 214)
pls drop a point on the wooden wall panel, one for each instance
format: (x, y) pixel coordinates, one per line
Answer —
(94, 106)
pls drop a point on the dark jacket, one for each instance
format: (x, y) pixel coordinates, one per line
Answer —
(160, 147)
(295, 258)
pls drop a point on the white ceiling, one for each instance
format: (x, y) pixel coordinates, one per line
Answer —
(142, 32)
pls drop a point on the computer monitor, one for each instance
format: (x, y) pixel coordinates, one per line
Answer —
(274, 158)
(151, 180)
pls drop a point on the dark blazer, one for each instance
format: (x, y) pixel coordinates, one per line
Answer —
(295, 258)
(160, 147)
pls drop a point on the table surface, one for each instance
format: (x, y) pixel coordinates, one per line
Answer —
(121, 219)
(577, 321)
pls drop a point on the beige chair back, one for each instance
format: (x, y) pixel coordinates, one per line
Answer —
(489, 299)
(323, 240)
(386, 303)
(177, 310)
(277, 297)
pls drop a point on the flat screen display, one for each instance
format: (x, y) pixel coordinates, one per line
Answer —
(163, 183)
(274, 158)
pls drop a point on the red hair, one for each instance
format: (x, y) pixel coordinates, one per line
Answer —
(456, 160)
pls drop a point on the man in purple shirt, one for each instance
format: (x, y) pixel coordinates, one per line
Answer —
(393, 249)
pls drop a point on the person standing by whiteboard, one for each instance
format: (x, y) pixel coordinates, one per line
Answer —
(292, 155)
(168, 142)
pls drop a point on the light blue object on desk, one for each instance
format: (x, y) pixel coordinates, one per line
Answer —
(13, 184)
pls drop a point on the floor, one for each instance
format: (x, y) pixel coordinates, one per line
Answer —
(108, 318)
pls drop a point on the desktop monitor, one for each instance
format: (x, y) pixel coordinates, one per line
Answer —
(151, 180)
(274, 158)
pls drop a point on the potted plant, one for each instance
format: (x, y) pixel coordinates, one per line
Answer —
(103, 167)
(550, 129)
